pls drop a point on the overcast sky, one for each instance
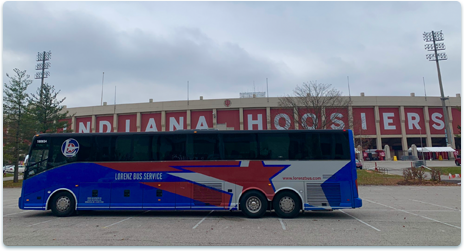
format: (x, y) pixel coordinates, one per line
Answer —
(149, 50)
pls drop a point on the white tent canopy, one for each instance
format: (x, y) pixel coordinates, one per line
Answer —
(434, 149)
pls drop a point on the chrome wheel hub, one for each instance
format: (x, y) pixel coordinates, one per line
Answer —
(287, 204)
(63, 203)
(253, 204)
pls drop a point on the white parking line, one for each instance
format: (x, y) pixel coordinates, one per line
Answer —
(39, 223)
(124, 220)
(16, 205)
(282, 223)
(359, 220)
(11, 200)
(412, 214)
(202, 220)
(16, 213)
(436, 205)
(118, 222)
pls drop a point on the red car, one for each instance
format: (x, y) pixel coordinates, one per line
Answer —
(458, 160)
(360, 165)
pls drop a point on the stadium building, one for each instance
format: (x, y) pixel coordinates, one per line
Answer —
(396, 121)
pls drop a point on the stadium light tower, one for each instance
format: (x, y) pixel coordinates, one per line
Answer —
(434, 36)
(42, 57)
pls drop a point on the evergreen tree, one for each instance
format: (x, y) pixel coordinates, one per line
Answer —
(46, 110)
(17, 128)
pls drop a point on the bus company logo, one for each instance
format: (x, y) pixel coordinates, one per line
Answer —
(70, 148)
(227, 102)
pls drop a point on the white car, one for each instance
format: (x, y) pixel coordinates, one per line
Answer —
(10, 169)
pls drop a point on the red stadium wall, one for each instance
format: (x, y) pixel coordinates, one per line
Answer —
(201, 119)
(229, 117)
(254, 119)
(364, 121)
(389, 121)
(127, 123)
(282, 119)
(414, 120)
(151, 122)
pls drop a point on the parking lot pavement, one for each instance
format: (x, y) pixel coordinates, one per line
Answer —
(390, 216)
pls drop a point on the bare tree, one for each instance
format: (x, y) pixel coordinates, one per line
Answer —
(310, 103)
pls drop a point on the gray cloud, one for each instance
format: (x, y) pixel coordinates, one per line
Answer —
(151, 49)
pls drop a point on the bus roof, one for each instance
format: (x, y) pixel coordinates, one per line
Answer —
(190, 131)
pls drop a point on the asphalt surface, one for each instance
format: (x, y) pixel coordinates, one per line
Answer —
(390, 216)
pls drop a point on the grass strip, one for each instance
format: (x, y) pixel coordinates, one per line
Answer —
(10, 184)
(447, 170)
(368, 177)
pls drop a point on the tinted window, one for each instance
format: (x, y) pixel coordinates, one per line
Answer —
(86, 149)
(172, 147)
(327, 145)
(122, 148)
(240, 146)
(274, 146)
(104, 148)
(142, 148)
(205, 147)
(56, 157)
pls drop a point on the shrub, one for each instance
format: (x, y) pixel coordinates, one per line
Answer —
(435, 174)
(414, 173)
(407, 175)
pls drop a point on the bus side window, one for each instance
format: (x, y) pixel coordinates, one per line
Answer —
(342, 148)
(56, 156)
(122, 148)
(104, 148)
(313, 146)
(172, 147)
(86, 149)
(296, 148)
(142, 148)
(240, 146)
(327, 145)
(205, 147)
(273, 146)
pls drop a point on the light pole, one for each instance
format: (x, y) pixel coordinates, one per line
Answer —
(42, 57)
(434, 36)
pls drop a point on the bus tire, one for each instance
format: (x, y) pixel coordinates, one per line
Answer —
(63, 204)
(253, 204)
(287, 204)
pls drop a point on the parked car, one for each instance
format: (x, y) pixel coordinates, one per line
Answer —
(458, 160)
(10, 169)
(359, 164)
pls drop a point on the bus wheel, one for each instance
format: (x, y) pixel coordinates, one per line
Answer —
(253, 204)
(63, 204)
(287, 204)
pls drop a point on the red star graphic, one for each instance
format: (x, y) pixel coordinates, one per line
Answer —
(255, 175)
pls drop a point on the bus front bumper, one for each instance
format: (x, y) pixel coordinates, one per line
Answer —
(357, 202)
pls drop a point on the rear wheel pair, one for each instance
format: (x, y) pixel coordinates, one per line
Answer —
(286, 204)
